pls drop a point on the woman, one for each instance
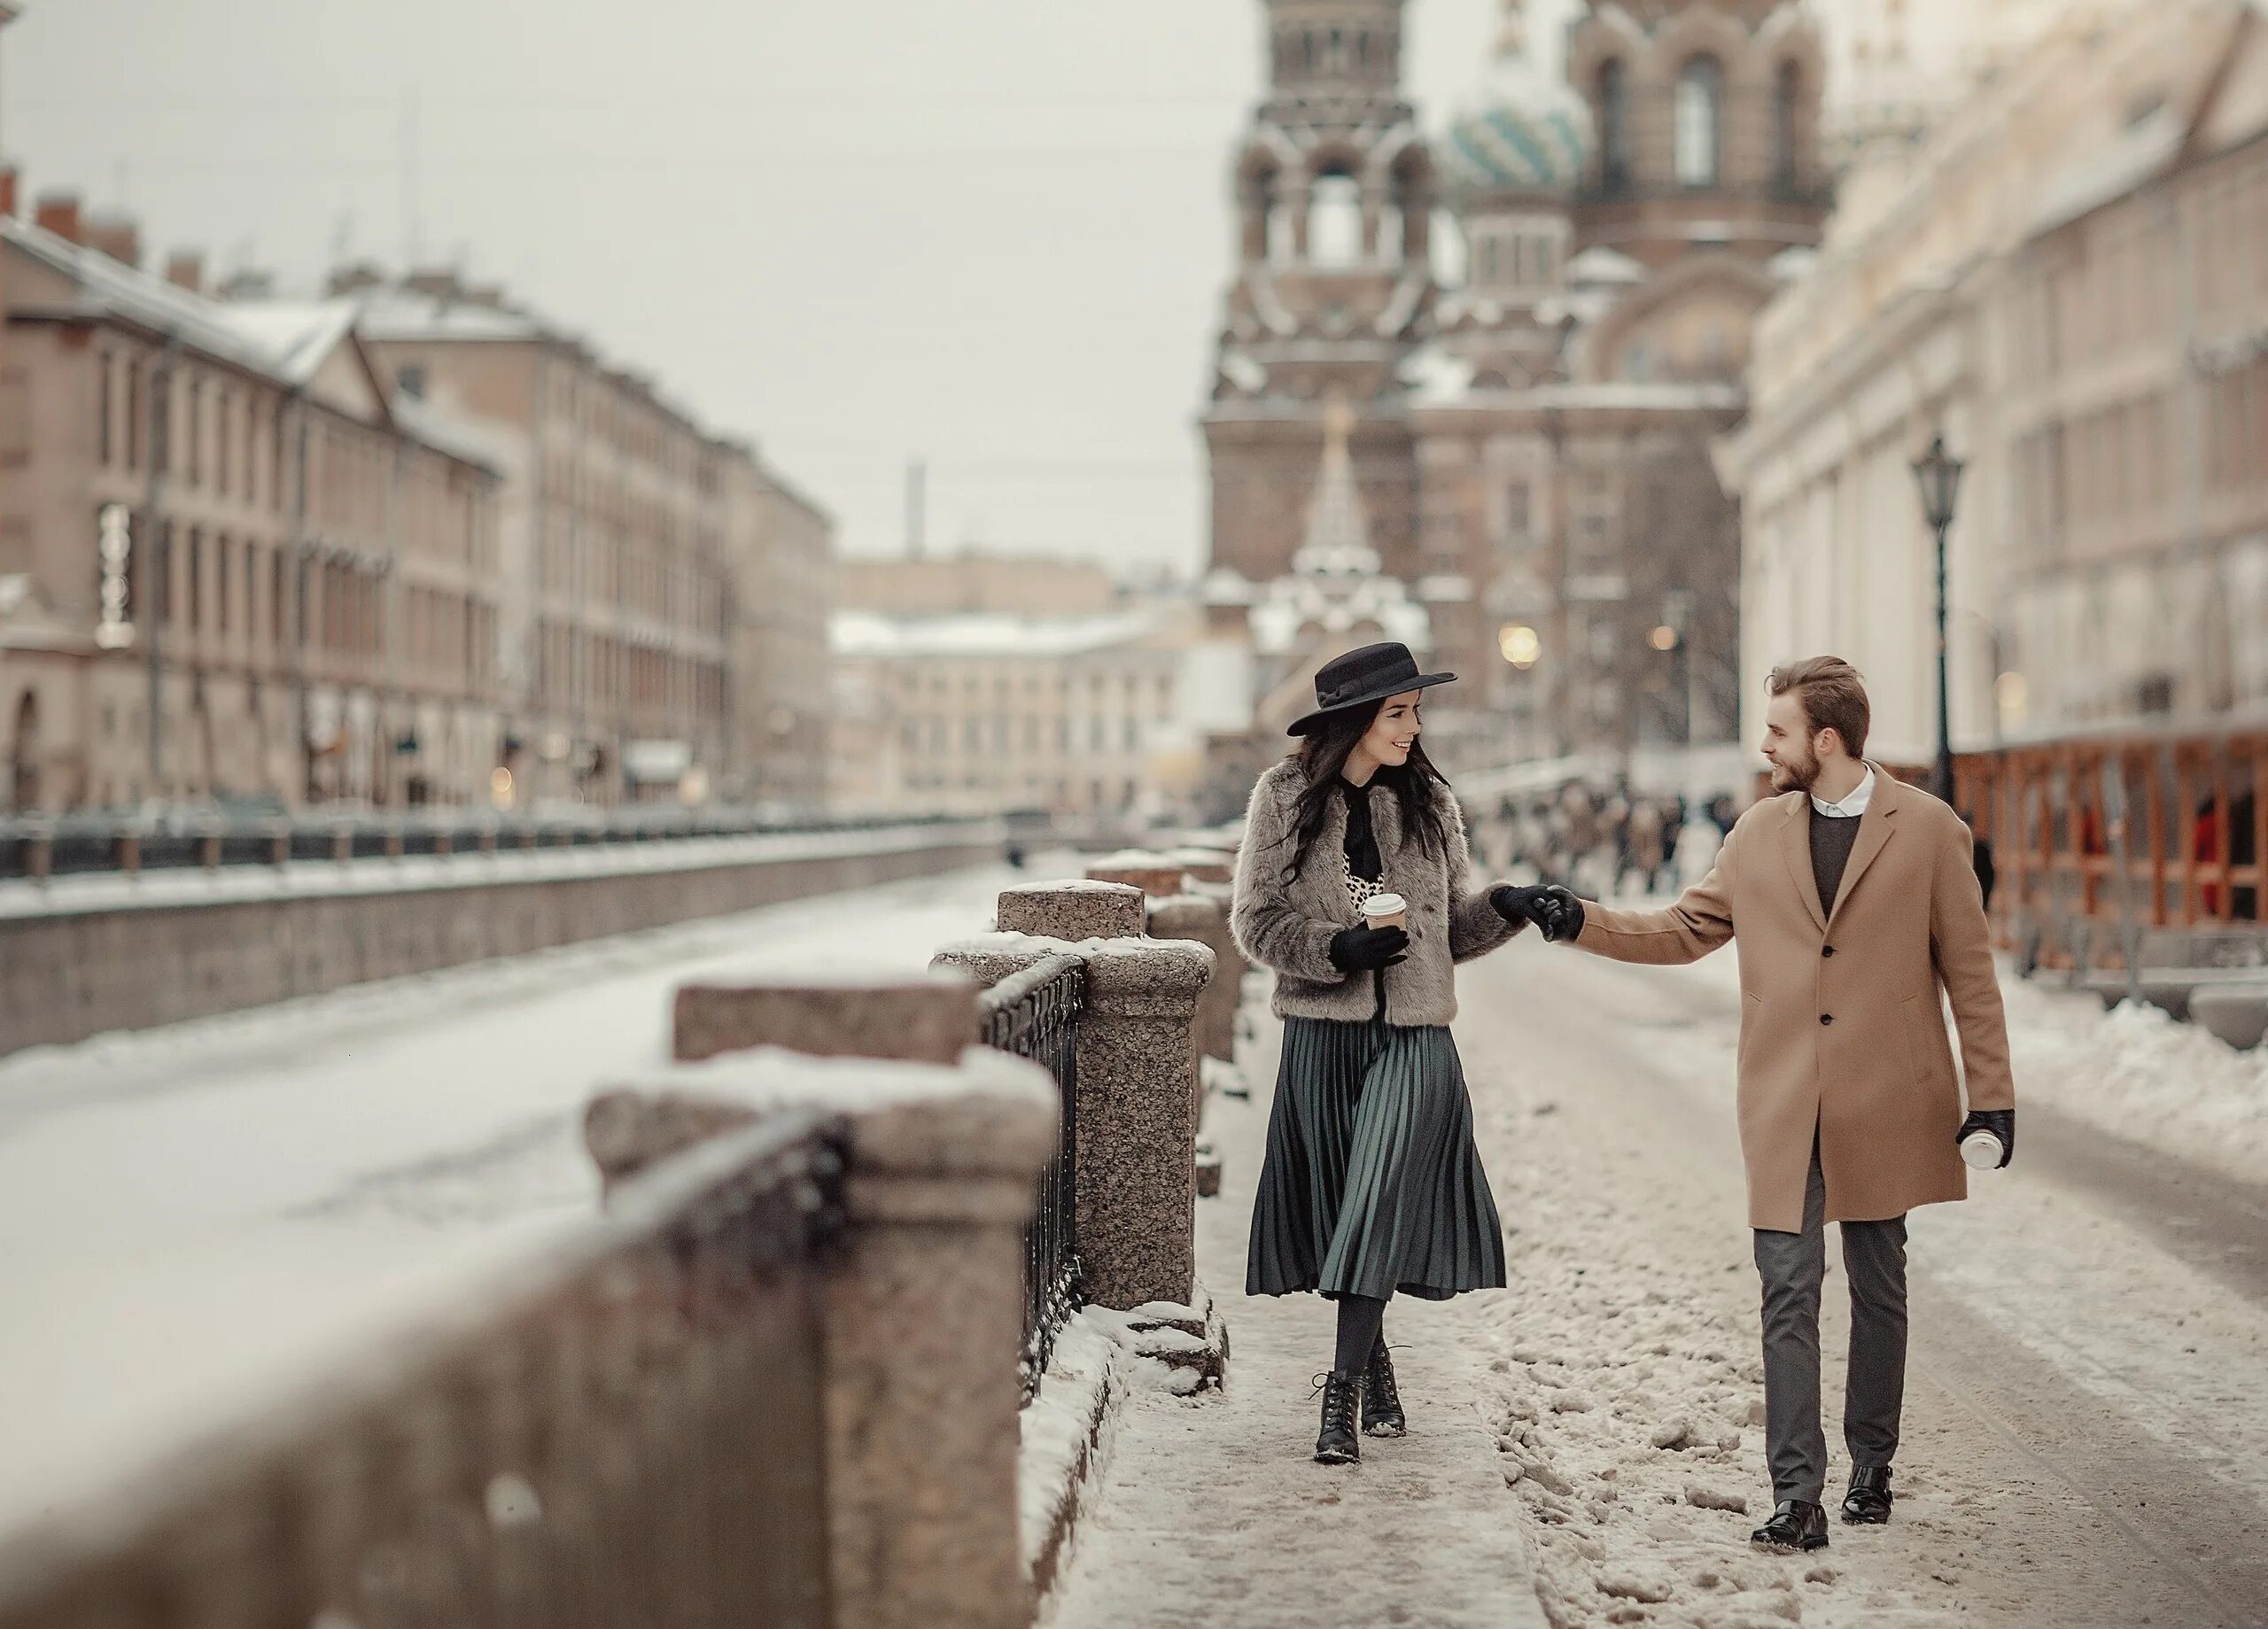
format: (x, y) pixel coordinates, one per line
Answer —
(1371, 1185)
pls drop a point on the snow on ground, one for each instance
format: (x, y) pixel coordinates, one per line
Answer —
(189, 1216)
(2072, 1378)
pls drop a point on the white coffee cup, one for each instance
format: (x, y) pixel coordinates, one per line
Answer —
(1981, 1150)
(1385, 911)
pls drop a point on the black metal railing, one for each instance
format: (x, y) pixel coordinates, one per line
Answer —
(1035, 1015)
(80, 843)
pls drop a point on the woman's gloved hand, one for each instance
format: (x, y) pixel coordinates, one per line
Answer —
(1358, 950)
(1555, 910)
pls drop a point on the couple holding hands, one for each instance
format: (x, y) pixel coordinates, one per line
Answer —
(1855, 911)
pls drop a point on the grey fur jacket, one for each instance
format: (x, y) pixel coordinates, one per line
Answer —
(1287, 924)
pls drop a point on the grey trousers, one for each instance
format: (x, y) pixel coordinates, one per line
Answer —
(1792, 1265)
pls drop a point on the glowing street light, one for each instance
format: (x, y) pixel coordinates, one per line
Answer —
(1663, 638)
(1520, 644)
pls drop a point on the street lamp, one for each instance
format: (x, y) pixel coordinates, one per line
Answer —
(1938, 473)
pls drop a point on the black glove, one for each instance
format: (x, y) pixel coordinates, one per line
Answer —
(1556, 912)
(1358, 950)
(2001, 1122)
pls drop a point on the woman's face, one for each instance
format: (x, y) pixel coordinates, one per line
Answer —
(1394, 731)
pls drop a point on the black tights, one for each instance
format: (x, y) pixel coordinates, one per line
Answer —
(1362, 1325)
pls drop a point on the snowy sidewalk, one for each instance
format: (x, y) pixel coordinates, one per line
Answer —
(1212, 1511)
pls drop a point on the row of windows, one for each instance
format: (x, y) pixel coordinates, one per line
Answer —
(577, 669)
(1334, 53)
(1058, 792)
(938, 735)
(141, 411)
(242, 592)
(1697, 123)
(1095, 687)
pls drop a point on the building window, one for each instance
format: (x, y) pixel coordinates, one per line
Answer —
(1614, 127)
(103, 409)
(220, 584)
(195, 431)
(1335, 220)
(196, 579)
(1699, 92)
(1787, 92)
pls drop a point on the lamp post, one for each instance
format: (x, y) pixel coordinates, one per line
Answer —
(1938, 473)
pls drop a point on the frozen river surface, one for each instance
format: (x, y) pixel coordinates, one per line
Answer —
(189, 1216)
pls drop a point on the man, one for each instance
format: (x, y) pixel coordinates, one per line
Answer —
(1854, 901)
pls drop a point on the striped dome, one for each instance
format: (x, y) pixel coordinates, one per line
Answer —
(1528, 133)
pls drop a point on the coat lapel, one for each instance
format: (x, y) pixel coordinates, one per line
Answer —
(1873, 836)
(1795, 849)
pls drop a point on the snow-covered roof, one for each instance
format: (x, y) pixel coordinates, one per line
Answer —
(112, 288)
(868, 634)
(298, 334)
(395, 313)
(1600, 264)
(2139, 152)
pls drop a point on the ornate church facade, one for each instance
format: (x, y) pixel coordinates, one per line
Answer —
(1500, 350)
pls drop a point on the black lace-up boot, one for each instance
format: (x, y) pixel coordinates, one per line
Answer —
(1382, 1415)
(1338, 1445)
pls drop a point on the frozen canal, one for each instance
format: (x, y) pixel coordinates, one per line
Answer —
(188, 1215)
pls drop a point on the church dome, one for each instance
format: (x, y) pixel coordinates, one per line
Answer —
(1527, 131)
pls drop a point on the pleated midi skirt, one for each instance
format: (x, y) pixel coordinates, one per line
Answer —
(1371, 1184)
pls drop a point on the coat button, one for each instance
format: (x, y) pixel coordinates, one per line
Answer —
(1827, 1018)
(1827, 950)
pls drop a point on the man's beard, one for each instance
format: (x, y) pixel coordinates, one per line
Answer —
(1796, 777)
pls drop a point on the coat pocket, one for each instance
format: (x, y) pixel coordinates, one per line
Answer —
(1917, 1016)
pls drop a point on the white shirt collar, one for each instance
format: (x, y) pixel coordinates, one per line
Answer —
(1852, 807)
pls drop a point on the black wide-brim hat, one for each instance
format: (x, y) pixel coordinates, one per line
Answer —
(1361, 677)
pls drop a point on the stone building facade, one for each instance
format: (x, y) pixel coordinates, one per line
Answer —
(983, 714)
(233, 564)
(2069, 281)
(1529, 439)
(665, 590)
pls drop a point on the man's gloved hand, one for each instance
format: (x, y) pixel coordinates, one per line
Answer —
(2001, 1122)
(1555, 910)
(1358, 950)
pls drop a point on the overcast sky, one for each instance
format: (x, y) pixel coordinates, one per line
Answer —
(993, 232)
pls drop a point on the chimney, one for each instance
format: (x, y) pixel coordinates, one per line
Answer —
(355, 279)
(8, 191)
(115, 236)
(249, 284)
(185, 269)
(59, 212)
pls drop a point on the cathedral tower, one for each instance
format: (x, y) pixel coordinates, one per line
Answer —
(1333, 286)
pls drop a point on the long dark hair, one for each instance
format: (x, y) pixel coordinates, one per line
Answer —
(1322, 757)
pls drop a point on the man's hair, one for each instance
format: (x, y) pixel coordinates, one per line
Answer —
(1832, 695)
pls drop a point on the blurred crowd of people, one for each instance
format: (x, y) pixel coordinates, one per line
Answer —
(1601, 840)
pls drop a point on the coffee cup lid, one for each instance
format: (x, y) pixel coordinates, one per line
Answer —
(1384, 905)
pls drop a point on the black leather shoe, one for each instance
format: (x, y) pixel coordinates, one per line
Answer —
(1382, 1415)
(1338, 1445)
(1869, 1499)
(1796, 1525)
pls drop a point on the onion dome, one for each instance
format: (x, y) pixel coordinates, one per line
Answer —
(1527, 131)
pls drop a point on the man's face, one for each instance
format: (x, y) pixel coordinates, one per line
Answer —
(1787, 744)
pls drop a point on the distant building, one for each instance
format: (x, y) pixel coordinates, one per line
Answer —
(661, 585)
(978, 585)
(984, 713)
(1526, 451)
(779, 551)
(234, 563)
(2070, 282)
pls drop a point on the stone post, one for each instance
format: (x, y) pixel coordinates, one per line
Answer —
(1137, 1099)
(1206, 921)
(923, 1302)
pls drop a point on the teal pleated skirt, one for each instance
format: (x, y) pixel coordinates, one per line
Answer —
(1371, 1184)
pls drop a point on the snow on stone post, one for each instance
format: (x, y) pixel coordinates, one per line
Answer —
(1178, 909)
(1136, 1093)
(922, 1301)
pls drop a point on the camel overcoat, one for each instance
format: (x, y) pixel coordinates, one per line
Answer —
(1841, 1025)
(1286, 922)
